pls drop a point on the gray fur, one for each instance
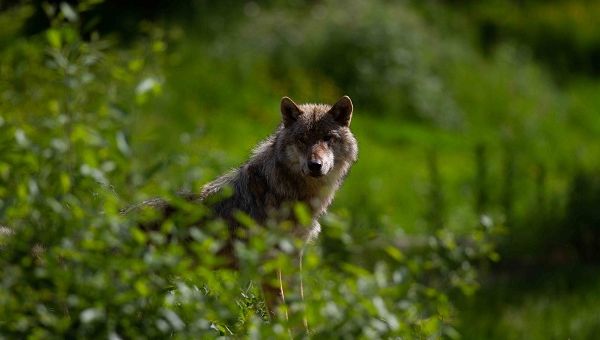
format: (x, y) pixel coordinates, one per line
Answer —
(277, 174)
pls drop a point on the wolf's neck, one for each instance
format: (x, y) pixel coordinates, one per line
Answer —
(281, 181)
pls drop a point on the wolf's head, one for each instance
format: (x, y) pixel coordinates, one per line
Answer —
(315, 139)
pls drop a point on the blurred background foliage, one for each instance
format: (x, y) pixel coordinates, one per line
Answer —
(472, 212)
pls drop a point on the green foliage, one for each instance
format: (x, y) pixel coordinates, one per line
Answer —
(458, 150)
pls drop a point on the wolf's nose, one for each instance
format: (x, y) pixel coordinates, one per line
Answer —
(314, 165)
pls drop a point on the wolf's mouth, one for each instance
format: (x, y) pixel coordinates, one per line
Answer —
(315, 174)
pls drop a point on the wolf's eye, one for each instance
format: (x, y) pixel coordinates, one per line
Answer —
(328, 137)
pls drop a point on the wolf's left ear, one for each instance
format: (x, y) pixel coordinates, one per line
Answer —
(289, 111)
(342, 111)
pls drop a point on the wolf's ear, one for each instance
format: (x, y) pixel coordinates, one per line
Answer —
(342, 111)
(289, 111)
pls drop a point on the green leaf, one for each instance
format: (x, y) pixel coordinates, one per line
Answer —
(142, 287)
(54, 38)
(356, 270)
(395, 253)
(302, 214)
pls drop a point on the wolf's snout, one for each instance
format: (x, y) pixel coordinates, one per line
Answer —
(315, 165)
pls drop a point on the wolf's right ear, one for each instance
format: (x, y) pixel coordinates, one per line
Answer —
(289, 111)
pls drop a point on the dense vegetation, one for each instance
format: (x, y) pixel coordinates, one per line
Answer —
(473, 204)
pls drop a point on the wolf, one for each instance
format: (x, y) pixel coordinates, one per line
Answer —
(304, 161)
